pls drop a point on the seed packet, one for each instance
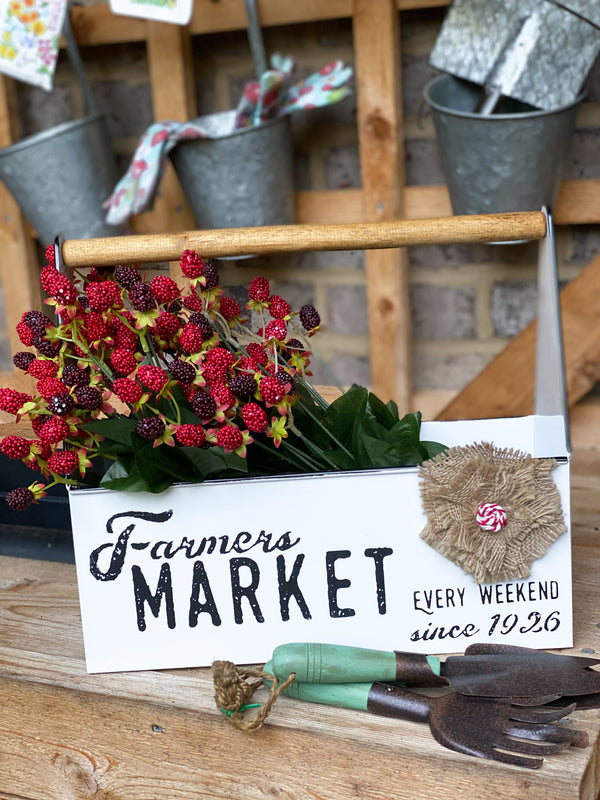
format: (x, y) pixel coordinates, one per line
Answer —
(177, 12)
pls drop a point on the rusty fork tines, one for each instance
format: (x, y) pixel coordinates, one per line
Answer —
(482, 727)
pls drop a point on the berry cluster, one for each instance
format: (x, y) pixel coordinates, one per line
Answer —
(177, 368)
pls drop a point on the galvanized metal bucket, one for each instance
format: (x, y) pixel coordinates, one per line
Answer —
(61, 177)
(507, 161)
(241, 178)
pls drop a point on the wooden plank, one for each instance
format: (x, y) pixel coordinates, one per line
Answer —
(578, 203)
(96, 24)
(505, 388)
(173, 98)
(377, 63)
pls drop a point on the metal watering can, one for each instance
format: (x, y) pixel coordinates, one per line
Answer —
(61, 177)
(240, 178)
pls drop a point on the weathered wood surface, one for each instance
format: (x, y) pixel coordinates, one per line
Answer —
(67, 734)
(505, 388)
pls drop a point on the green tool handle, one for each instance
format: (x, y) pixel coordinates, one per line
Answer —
(378, 698)
(333, 663)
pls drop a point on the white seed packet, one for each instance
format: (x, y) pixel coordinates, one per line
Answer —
(178, 12)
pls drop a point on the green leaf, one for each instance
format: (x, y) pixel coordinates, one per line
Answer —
(380, 411)
(342, 414)
(117, 429)
(433, 448)
(123, 476)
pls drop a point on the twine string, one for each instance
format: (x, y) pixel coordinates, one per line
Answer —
(235, 687)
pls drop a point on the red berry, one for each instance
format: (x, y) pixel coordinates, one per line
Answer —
(259, 289)
(255, 417)
(62, 290)
(222, 395)
(123, 361)
(127, 390)
(276, 329)
(11, 400)
(258, 353)
(15, 447)
(63, 462)
(229, 437)
(271, 390)
(96, 328)
(191, 435)
(49, 387)
(164, 288)
(278, 307)
(152, 377)
(191, 338)
(167, 324)
(54, 431)
(103, 295)
(191, 264)
(229, 308)
(25, 334)
(43, 368)
(125, 338)
(193, 301)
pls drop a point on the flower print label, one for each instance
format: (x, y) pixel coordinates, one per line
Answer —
(29, 39)
(231, 569)
(178, 12)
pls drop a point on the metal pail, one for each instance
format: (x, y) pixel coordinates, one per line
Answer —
(61, 177)
(506, 161)
(244, 178)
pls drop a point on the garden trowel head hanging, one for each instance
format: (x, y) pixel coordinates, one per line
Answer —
(534, 51)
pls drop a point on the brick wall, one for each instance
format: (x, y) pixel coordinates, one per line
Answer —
(467, 301)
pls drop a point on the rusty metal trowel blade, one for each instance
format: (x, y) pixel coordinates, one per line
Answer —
(533, 51)
(500, 671)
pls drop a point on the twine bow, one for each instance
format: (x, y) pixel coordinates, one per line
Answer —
(235, 687)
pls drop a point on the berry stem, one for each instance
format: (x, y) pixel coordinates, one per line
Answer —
(169, 395)
(82, 344)
(140, 334)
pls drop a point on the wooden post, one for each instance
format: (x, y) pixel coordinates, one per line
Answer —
(171, 76)
(377, 66)
(19, 273)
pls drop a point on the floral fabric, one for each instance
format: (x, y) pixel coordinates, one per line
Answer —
(271, 96)
(29, 39)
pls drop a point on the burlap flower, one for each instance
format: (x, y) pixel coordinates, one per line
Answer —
(457, 489)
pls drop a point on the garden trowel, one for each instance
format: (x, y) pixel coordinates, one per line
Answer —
(534, 51)
(523, 675)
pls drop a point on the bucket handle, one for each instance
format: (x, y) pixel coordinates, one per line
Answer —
(148, 248)
(77, 64)
(257, 45)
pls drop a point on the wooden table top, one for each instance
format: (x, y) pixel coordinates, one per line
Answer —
(154, 735)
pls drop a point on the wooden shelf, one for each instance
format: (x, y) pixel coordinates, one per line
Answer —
(383, 195)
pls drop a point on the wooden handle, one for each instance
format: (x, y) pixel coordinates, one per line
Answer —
(110, 251)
